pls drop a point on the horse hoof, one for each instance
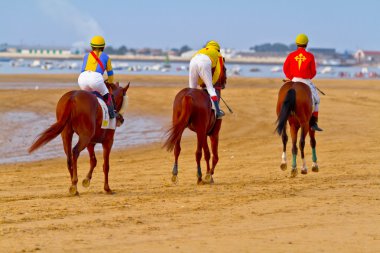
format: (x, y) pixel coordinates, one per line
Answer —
(86, 182)
(304, 171)
(73, 190)
(110, 192)
(200, 181)
(208, 178)
(174, 179)
(283, 166)
(315, 168)
(294, 172)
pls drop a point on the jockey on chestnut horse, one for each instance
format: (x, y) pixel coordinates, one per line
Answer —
(192, 108)
(81, 112)
(300, 66)
(94, 65)
(298, 103)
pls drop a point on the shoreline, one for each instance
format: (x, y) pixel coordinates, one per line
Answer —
(267, 60)
(163, 79)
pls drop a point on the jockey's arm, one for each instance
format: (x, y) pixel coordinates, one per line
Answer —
(313, 67)
(218, 70)
(286, 69)
(109, 71)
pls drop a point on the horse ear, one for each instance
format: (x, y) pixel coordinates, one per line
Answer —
(112, 86)
(126, 87)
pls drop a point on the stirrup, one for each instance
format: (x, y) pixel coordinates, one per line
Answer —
(315, 127)
(111, 113)
(220, 114)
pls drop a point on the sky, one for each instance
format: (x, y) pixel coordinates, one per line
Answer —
(239, 24)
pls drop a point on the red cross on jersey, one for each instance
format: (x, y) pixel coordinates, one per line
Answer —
(301, 64)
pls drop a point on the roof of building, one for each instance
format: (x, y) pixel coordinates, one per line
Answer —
(371, 52)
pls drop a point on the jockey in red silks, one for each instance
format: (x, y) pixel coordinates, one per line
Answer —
(94, 65)
(300, 66)
(200, 71)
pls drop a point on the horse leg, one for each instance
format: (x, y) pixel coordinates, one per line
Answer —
(177, 151)
(304, 130)
(284, 137)
(198, 154)
(313, 144)
(207, 155)
(82, 144)
(293, 133)
(215, 157)
(67, 138)
(106, 165)
(93, 162)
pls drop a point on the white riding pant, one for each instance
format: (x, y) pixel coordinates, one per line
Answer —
(200, 67)
(314, 92)
(92, 81)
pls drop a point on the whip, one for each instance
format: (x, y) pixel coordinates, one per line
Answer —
(226, 105)
(320, 91)
(287, 80)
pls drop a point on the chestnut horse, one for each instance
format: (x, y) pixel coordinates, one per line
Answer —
(294, 104)
(192, 109)
(79, 112)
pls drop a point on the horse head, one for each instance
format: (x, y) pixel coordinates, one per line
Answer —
(119, 94)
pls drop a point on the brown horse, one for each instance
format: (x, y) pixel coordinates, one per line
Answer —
(192, 109)
(79, 112)
(294, 104)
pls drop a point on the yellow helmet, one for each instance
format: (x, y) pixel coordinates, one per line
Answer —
(213, 43)
(98, 41)
(302, 39)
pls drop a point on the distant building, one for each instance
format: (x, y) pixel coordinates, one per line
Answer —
(363, 56)
(189, 54)
(37, 50)
(44, 51)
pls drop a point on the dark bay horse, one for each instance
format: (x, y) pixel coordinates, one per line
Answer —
(192, 109)
(294, 104)
(79, 112)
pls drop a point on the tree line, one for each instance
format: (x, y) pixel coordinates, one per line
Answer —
(122, 50)
(275, 47)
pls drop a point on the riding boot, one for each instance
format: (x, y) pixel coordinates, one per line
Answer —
(219, 113)
(313, 122)
(110, 105)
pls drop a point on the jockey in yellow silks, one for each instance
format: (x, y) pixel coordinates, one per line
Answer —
(200, 71)
(94, 65)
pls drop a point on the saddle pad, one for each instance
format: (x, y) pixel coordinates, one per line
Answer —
(314, 97)
(107, 123)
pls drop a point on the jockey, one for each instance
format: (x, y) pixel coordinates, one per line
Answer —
(94, 65)
(200, 71)
(300, 66)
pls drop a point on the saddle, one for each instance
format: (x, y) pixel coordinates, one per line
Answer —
(107, 122)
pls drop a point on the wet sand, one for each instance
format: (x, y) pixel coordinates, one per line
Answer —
(253, 205)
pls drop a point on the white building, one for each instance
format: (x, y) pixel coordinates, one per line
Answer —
(363, 56)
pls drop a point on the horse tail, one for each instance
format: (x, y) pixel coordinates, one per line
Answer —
(54, 130)
(288, 106)
(175, 132)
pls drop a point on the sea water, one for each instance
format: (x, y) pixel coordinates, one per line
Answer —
(19, 129)
(181, 68)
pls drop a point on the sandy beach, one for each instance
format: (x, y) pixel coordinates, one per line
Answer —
(253, 205)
